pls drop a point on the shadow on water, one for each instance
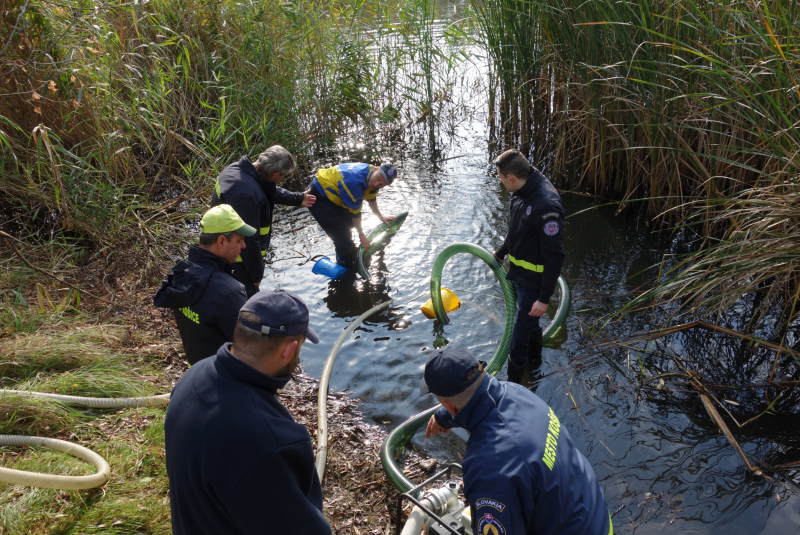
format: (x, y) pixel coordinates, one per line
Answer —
(662, 462)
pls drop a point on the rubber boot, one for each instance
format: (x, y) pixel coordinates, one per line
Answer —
(515, 372)
(535, 356)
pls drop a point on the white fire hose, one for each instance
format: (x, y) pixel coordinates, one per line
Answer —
(53, 481)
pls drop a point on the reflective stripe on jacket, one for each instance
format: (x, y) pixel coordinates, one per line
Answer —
(522, 473)
(346, 185)
(206, 302)
(535, 240)
(254, 199)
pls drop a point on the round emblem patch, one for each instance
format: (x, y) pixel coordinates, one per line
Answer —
(528, 211)
(551, 228)
(488, 525)
(391, 172)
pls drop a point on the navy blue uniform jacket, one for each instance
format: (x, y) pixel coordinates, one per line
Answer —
(522, 473)
(535, 240)
(206, 302)
(254, 199)
(237, 461)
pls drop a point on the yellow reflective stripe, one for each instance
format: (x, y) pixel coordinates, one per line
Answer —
(264, 252)
(347, 190)
(265, 230)
(610, 525)
(538, 268)
(218, 190)
(239, 259)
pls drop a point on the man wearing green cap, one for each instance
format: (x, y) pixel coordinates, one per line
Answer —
(200, 290)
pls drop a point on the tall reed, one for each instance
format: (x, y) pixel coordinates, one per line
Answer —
(689, 105)
(112, 116)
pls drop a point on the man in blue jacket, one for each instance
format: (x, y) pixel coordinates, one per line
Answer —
(340, 192)
(535, 248)
(522, 473)
(200, 290)
(237, 461)
(251, 188)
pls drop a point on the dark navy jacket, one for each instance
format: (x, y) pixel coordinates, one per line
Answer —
(522, 473)
(206, 302)
(237, 461)
(254, 199)
(535, 239)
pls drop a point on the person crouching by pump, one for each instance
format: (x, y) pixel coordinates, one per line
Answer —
(340, 191)
(200, 290)
(522, 472)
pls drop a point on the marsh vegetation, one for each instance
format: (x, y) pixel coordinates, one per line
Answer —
(116, 117)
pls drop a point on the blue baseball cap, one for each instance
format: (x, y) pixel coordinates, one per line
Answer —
(388, 171)
(446, 372)
(281, 313)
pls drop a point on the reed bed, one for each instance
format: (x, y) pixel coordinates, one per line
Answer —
(115, 117)
(688, 107)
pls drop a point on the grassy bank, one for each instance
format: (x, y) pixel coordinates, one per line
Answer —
(690, 108)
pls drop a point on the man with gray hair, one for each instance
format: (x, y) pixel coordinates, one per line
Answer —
(251, 188)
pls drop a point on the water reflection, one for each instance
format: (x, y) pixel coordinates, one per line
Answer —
(663, 464)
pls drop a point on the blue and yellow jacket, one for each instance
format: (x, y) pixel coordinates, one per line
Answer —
(522, 473)
(346, 185)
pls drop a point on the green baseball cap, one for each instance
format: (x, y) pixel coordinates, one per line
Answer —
(223, 218)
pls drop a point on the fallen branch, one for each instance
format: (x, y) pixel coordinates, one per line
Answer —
(714, 415)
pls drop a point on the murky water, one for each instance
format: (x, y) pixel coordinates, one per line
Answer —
(663, 464)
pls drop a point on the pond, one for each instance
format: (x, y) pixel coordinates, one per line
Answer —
(663, 464)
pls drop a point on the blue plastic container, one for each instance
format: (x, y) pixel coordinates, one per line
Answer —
(332, 270)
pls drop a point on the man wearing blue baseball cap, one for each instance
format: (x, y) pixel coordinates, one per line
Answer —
(522, 473)
(237, 461)
(340, 191)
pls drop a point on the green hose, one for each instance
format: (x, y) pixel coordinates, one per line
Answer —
(377, 239)
(396, 442)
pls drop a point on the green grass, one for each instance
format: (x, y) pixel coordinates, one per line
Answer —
(89, 360)
(135, 500)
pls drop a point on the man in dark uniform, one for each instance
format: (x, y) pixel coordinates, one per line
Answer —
(535, 248)
(251, 188)
(200, 290)
(341, 190)
(237, 461)
(522, 473)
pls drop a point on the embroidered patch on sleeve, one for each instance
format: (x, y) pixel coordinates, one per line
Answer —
(548, 215)
(489, 525)
(551, 228)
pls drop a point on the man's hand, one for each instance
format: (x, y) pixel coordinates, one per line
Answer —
(308, 199)
(364, 240)
(538, 309)
(498, 257)
(434, 428)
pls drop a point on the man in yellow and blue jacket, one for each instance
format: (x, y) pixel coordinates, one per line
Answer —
(340, 191)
